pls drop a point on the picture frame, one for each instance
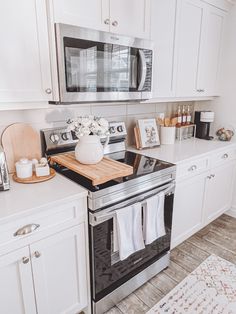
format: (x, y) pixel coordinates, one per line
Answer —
(148, 133)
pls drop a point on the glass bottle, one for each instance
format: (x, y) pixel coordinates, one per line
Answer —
(188, 115)
(179, 116)
(184, 116)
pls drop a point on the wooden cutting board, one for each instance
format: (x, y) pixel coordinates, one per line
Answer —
(104, 171)
(20, 140)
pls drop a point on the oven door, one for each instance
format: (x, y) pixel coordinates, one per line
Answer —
(107, 271)
(99, 66)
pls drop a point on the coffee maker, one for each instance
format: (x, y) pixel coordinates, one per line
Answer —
(203, 120)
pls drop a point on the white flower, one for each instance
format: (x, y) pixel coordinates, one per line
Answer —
(88, 125)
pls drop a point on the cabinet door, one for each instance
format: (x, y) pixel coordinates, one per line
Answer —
(16, 284)
(92, 13)
(211, 51)
(130, 17)
(188, 208)
(190, 16)
(24, 55)
(163, 17)
(59, 270)
(219, 191)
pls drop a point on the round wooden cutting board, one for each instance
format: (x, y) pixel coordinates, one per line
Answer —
(20, 140)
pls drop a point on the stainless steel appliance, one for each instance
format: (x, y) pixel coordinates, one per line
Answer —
(4, 177)
(111, 278)
(100, 66)
(203, 120)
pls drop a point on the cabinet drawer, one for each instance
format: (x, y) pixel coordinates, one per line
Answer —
(222, 157)
(191, 168)
(43, 223)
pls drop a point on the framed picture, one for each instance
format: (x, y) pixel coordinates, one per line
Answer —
(149, 136)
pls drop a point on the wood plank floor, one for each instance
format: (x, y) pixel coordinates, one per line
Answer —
(218, 238)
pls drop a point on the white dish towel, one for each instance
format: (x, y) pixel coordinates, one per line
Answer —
(128, 233)
(154, 224)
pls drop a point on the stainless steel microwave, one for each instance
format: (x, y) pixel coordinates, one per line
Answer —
(100, 66)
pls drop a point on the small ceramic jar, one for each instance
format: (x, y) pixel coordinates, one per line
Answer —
(24, 168)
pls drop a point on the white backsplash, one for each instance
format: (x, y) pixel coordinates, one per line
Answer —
(58, 115)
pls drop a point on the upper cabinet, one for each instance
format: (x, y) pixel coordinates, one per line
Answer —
(131, 18)
(163, 20)
(199, 37)
(91, 14)
(24, 55)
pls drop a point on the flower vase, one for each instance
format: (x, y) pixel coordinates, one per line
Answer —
(89, 150)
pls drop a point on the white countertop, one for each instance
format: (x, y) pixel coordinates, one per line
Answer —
(26, 198)
(184, 150)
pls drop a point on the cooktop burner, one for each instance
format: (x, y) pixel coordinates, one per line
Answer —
(141, 164)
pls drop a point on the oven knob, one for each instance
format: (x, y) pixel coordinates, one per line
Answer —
(64, 136)
(112, 130)
(54, 138)
(120, 128)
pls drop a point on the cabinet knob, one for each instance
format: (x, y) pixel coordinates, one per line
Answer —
(48, 90)
(213, 175)
(192, 168)
(209, 177)
(37, 254)
(114, 23)
(26, 230)
(225, 156)
(25, 260)
(107, 22)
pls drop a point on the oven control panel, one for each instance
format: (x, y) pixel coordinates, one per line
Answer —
(60, 137)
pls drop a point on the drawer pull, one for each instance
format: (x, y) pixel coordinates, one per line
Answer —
(37, 254)
(26, 229)
(225, 156)
(213, 175)
(194, 167)
(25, 260)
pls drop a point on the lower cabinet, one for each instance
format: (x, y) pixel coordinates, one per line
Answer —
(188, 204)
(46, 277)
(16, 285)
(201, 198)
(219, 191)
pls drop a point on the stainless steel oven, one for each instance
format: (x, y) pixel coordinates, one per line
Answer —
(100, 66)
(113, 279)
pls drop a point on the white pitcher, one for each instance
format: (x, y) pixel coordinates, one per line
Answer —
(89, 150)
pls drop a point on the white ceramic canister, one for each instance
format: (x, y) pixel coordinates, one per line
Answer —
(168, 135)
(24, 168)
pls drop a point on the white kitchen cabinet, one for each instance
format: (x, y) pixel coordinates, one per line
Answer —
(131, 18)
(219, 191)
(210, 55)
(92, 13)
(24, 55)
(199, 39)
(163, 22)
(16, 284)
(189, 31)
(188, 206)
(59, 271)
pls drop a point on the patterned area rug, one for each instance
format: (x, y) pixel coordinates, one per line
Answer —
(209, 289)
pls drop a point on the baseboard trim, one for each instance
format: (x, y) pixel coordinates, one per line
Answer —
(231, 212)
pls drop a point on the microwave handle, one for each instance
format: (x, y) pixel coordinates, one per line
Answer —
(142, 69)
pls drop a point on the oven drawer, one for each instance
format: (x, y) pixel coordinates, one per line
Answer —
(191, 168)
(46, 222)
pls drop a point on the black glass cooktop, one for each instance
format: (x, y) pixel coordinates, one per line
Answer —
(142, 165)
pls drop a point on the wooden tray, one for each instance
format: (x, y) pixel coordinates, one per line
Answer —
(34, 179)
(104, 171)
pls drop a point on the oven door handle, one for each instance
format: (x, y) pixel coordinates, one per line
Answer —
(95, 219)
